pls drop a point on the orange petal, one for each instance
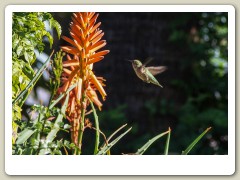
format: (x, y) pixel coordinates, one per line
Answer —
(76, 22)
(98, 85)
(93, 49)
(67, 71)
(68, 57)
(95, 27)
(97, 45)
(96, 59)
(90, 15)
(97, 38)
(79, 41)
(94, 34)
(71, 63)
(79, 19)
(101, 53)
(93, 97)
(84, 15)
(70, 50)
(93, 20)
(68, 40)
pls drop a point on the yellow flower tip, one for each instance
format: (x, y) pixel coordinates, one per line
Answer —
(169, 129)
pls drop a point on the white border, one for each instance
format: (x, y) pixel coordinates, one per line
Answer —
(118, 164)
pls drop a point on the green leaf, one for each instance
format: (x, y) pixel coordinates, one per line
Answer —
(149, 143)
(61, 96)
(32, 82)
(57, 26)
(15, 42)
(24, 135)
(45, 151)
(50, 39)
(27, 57)
(56, 126)
(19, 50)
(97, 128)
(195, 142)
(107, 147)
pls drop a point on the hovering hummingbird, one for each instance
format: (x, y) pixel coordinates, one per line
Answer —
(147, 73)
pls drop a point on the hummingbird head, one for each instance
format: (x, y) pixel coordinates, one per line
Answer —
(136, 63)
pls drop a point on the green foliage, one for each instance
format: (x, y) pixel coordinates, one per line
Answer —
(185, 152)
(148, 144)
(23, 95)
(203, 79)
(108, 146)
(28, 31)
(38, 136)
(56, 72)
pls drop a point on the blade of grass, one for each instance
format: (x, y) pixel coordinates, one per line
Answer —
(167, 142)
(115, 132)
(52, 134)
(62, 95)
(32, 82)
(97, 127)
(107, 147)
(149, 143)
(24, 135)
(111, 136)
(195, 142)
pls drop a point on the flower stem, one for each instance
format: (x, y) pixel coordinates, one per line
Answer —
(81, 128)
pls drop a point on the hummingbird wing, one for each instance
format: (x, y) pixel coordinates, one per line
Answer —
(156, 70)
(148, 60)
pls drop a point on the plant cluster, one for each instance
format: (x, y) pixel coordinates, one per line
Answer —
(74, 88)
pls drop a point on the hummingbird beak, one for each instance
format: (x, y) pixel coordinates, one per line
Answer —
(129, 60)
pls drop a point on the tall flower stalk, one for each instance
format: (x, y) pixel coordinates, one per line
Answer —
(83, 52)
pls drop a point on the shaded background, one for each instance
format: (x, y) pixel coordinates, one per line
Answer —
(194, 97)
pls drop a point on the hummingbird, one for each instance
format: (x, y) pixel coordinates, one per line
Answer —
(147, 73)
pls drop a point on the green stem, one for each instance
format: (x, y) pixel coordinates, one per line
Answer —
(167, 142)
(81, 128)
(97, 127)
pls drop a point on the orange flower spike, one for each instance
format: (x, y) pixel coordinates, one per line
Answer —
(98, 85)
(82, 53)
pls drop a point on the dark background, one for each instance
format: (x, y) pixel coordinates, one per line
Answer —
(194, 95)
